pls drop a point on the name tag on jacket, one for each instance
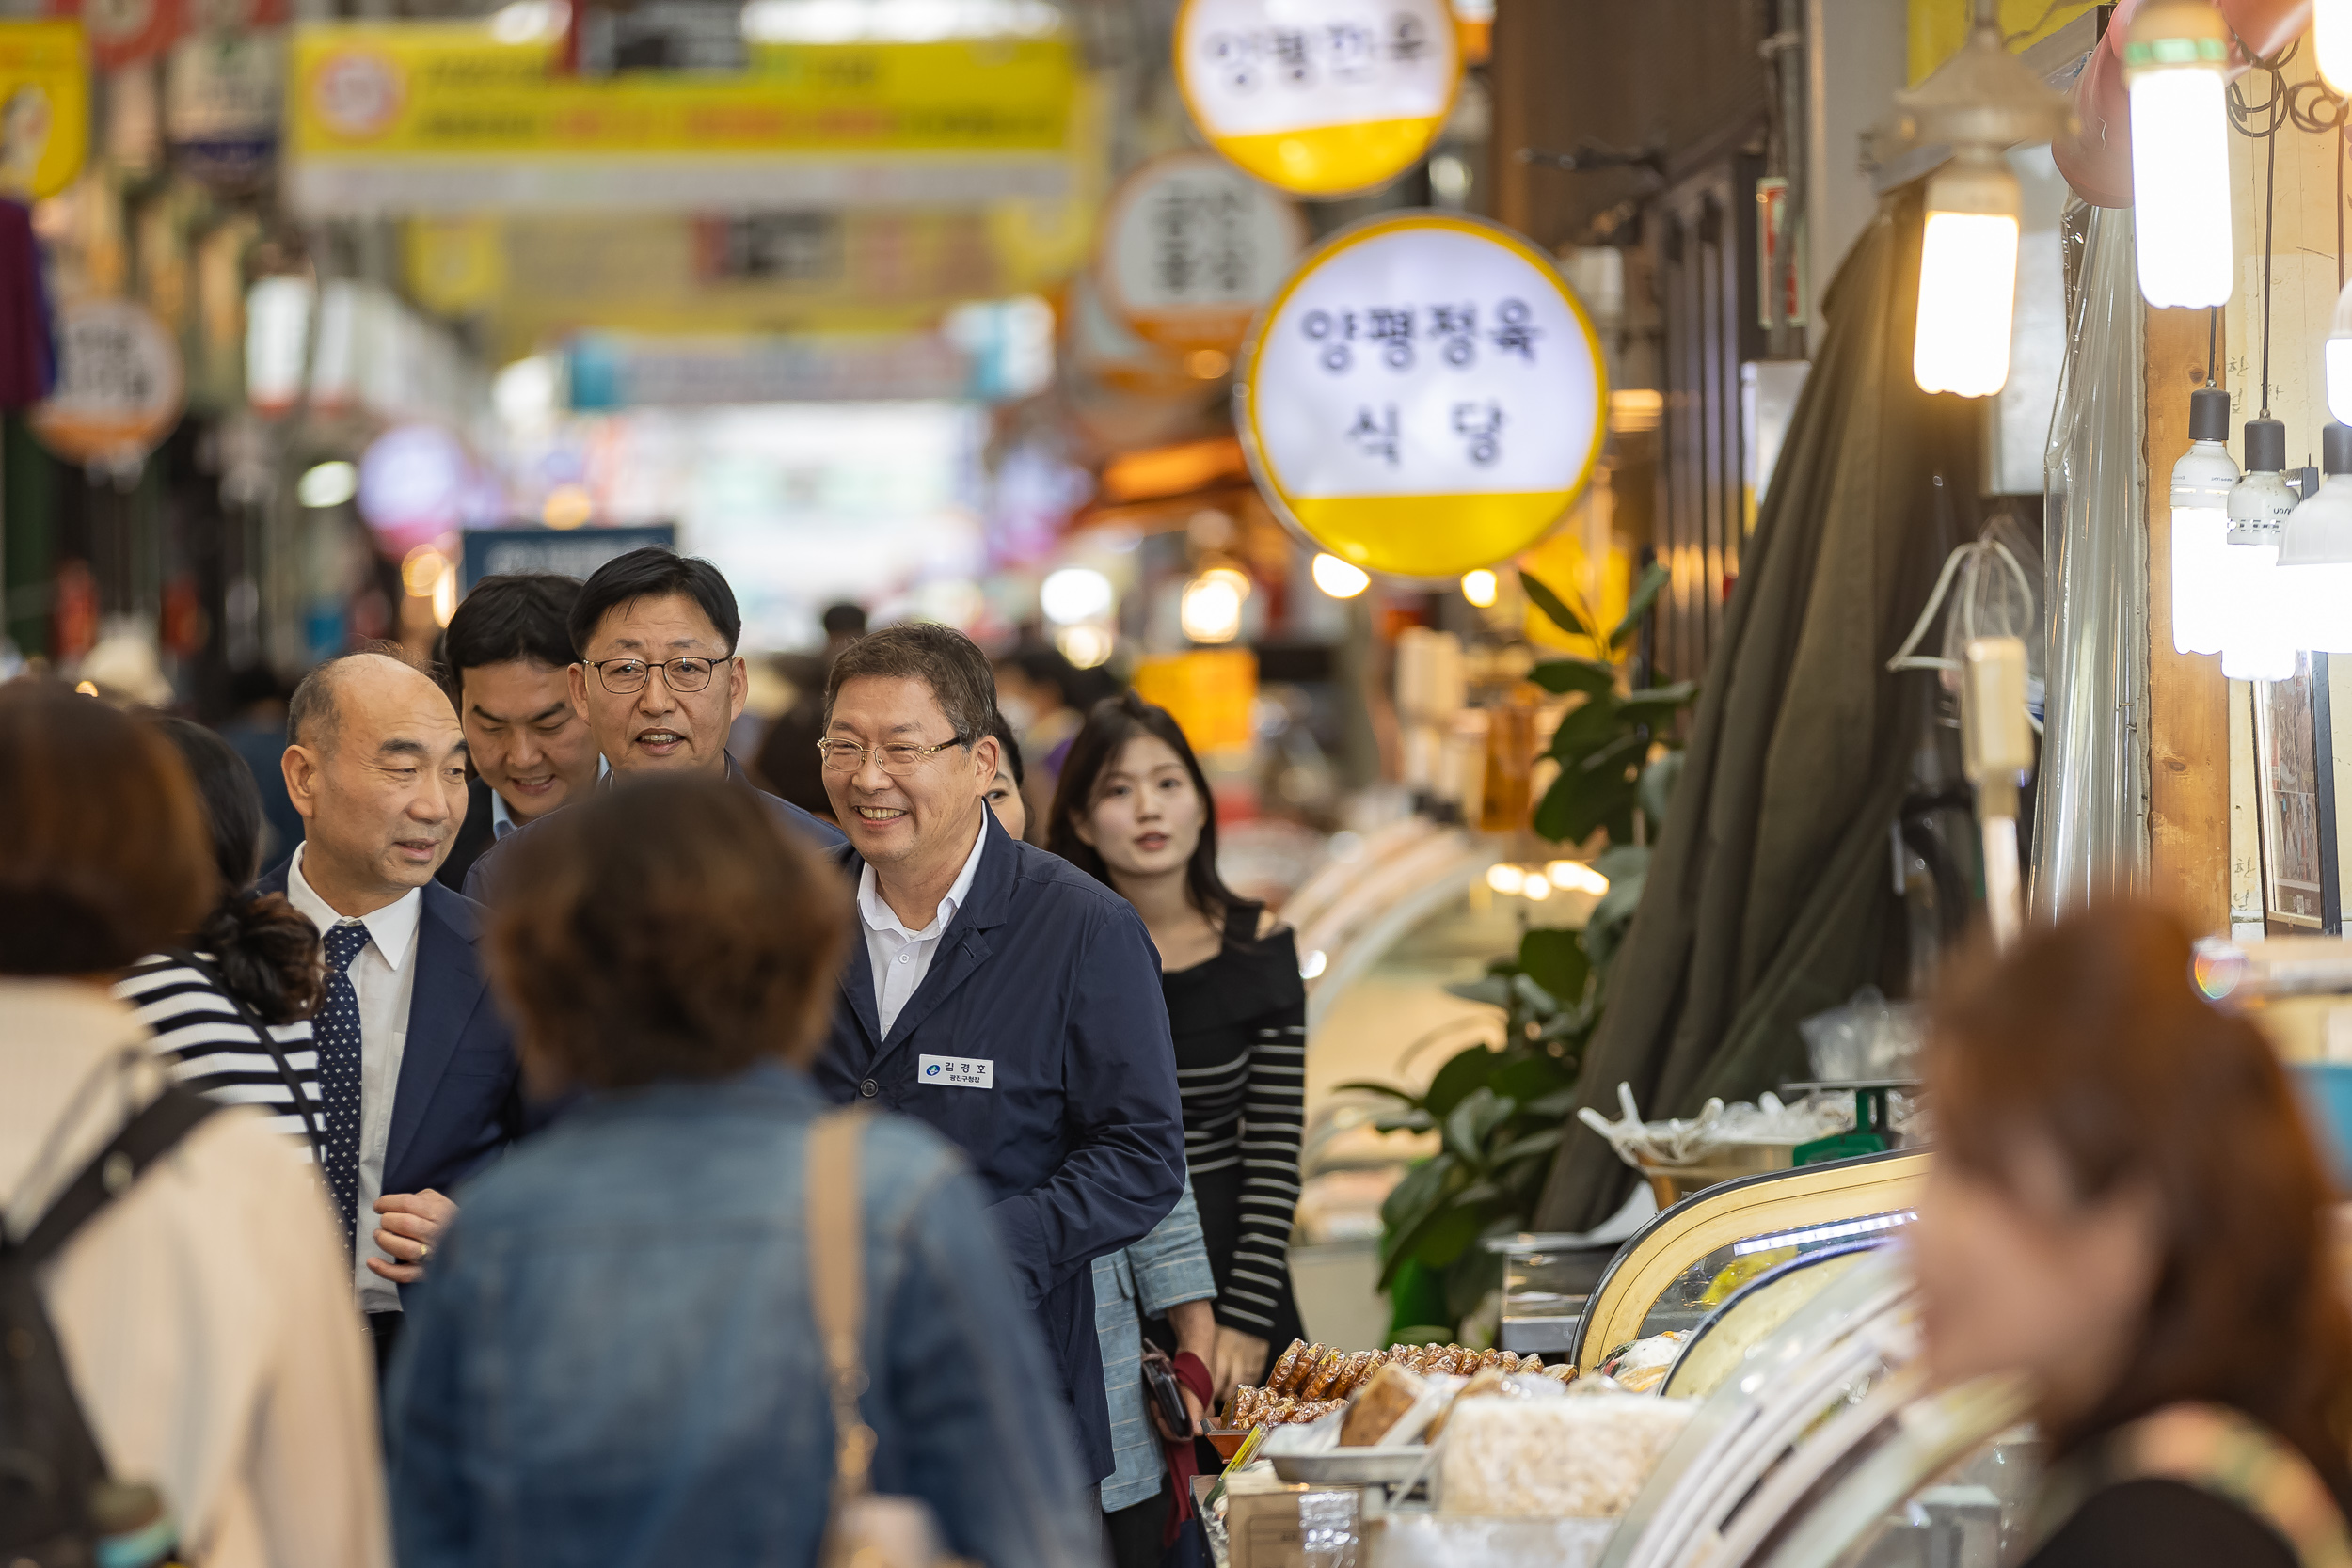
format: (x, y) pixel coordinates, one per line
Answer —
(961, 1073)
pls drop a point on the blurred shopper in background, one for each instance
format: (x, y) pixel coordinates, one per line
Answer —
(417, 1075)
(1133, 809)
(1039, 691)
(507, 657)
(617, 1359)
(997, 998)
(203, 1313)
(1166, 1276)
(230, 1005)
(787, 762)
(2127, 1206)
(658, 681)
(257, 732)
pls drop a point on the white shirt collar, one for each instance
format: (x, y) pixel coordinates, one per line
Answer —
(877, 914)
(392, 928)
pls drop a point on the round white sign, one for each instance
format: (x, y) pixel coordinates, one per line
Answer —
(1424, 397)
(1321, 97)
(1191, 248)
(118, 384)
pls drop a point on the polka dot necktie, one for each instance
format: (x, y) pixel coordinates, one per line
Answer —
(335, 1032)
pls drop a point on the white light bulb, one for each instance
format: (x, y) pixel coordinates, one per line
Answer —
(1479, 588)
(2340, 357)
(1210, 610)
(1075, 594)
(2314, 570)
(2202, 481)
(2259, 644)
(2331, 43)
(2180, 186)
(327, 484)
(1967, 278)
(1338, 578)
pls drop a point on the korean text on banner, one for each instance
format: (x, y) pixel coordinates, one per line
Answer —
(1424, 397)
(434, 118)
(44, 107)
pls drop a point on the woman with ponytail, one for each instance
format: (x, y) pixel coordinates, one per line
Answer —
(230, 1007)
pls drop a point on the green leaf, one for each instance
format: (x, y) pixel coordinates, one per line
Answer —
(1423, 1188)
(1368, 1087)
(1463, 1075)
(1532, 997)
(1554, 606)
(1555, 1104)
(1415, 1120)
(1658, 787)
(1554, 960)
(1577, 802)
(1619, 754)
(1620, 861)
(1637, 604)
(1654, 704)
(1591, 724)
(1495, 990)
(1533, 1144)
(1477, 1193)
(1528, 1079)
(1435, 1240)
(1563, 675)
(1467, 1125)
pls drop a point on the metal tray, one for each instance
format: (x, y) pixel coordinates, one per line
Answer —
(1350, 1466)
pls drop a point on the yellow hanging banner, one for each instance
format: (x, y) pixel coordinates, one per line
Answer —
(1319, 97)
(1424, 397)
(442, 117)
(44, 107)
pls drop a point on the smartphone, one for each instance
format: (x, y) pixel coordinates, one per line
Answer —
(1167, 1394)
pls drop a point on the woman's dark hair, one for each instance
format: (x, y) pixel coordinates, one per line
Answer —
(1011, 748)
(2089, 1039)
(267, 950)
(672, 929)
(103, 857)
(1113, 722)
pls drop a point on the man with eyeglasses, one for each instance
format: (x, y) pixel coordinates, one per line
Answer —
(658, 681)
(1003, 996)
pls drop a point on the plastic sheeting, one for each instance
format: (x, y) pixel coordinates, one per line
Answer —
(2091, 820)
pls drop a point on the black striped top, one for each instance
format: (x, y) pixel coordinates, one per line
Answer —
(215, 1051)
(1239, 1023)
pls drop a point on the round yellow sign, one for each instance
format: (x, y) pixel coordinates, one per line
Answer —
(1425, 396)
(1319, 97)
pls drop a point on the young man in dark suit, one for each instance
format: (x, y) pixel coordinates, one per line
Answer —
(504, 657)
(417, 1070)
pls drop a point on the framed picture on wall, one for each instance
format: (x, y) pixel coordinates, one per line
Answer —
(2294, 777)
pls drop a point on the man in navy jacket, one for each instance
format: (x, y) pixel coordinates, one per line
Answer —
(418, 1086)
(999, 994)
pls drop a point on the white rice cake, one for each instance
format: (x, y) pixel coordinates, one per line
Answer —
(1578, 1459)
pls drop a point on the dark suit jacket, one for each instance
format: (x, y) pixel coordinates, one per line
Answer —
(474, 835)
(481, 881)
(1050, 977)
(459, 1101)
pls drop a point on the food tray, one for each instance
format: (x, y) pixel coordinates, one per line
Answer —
(1351, 1467)
(1227, 1440)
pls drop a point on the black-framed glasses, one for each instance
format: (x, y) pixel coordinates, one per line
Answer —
(622, 677)
(898, 760)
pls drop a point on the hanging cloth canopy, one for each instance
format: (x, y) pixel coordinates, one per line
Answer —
(1769, 895)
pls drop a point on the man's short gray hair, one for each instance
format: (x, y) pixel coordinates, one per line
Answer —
(943, 658)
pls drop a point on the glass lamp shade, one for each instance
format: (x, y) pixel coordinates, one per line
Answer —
(2180, 185)
(2314, 570)
(1967, 276)
(2202, 481)
(2259, 642)
(2331, 42)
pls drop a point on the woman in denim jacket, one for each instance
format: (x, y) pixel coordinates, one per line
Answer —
(613, 1359)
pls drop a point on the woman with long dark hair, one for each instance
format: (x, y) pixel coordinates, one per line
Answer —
(1133, 809)
(230, 1005)
(2127, 1206)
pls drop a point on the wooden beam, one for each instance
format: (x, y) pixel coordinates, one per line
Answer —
(2188, 702)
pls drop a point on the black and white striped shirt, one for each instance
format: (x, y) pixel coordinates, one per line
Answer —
(215, 1051)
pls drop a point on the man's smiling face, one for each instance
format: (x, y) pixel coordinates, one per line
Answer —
(658, 726)
(528, 742)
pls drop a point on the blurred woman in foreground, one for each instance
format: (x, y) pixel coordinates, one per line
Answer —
(2126, 1206)
(616, 1358)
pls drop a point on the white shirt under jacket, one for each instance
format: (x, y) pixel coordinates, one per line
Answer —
(902, 958)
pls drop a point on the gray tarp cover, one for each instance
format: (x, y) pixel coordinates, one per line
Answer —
(1770, 896)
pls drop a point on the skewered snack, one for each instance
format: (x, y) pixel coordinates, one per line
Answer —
(1286, 1365)
(1308, 1360)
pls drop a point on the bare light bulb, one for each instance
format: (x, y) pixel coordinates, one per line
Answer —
(1967, 276)
(2202, 481)
(2174, 59)
(2258, 645)
(2331, 44)
(2314, 571)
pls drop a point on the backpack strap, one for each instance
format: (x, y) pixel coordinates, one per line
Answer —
(146, 1138)
(2229, 1454)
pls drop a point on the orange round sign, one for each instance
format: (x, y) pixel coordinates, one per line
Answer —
(1191, 248)
(118, 384)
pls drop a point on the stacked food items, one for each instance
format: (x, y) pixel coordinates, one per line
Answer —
(1309, 1382)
